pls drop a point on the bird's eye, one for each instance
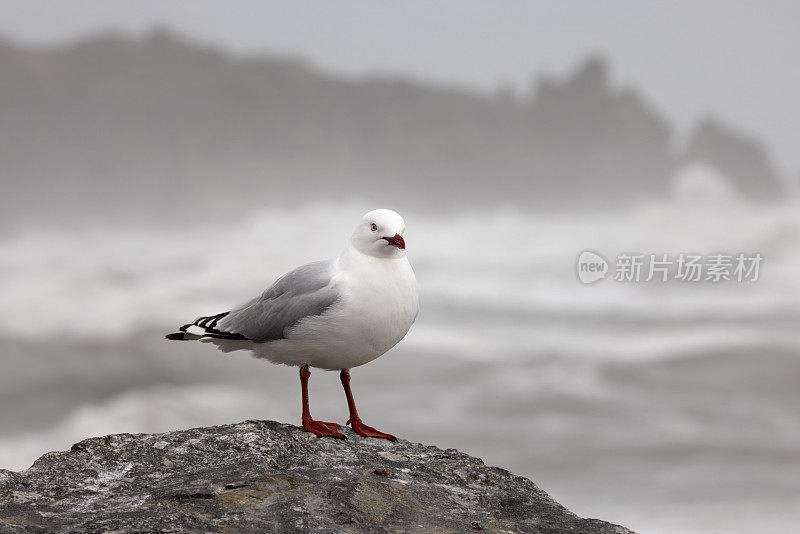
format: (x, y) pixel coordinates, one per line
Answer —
(373, 227)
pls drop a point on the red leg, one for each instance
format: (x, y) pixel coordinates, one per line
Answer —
(355, 421)
(320, 428)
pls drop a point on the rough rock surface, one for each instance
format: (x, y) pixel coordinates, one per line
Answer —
(263, 476)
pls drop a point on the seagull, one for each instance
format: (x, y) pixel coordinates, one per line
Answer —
(331, 315)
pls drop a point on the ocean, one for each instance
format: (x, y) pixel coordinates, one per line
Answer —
(668, 407)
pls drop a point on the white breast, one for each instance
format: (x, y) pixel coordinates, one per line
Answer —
(382, 303)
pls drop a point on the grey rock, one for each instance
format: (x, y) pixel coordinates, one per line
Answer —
(263, 476)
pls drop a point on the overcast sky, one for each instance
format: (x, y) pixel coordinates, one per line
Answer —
(739, 60)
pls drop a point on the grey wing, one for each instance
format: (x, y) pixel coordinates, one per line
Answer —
(303, 292)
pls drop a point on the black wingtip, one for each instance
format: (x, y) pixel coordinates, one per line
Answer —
(180, 336)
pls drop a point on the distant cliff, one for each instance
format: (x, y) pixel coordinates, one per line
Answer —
(163, 127)
(263, 476)
(741, 159)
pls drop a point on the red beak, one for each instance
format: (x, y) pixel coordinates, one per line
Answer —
(396, 241)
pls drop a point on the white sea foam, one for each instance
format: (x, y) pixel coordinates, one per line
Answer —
(158, 409)
(111, 282)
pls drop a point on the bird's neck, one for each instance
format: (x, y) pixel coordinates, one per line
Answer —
(351, 257)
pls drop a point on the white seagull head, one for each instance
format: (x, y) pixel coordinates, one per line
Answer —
(380, 234)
